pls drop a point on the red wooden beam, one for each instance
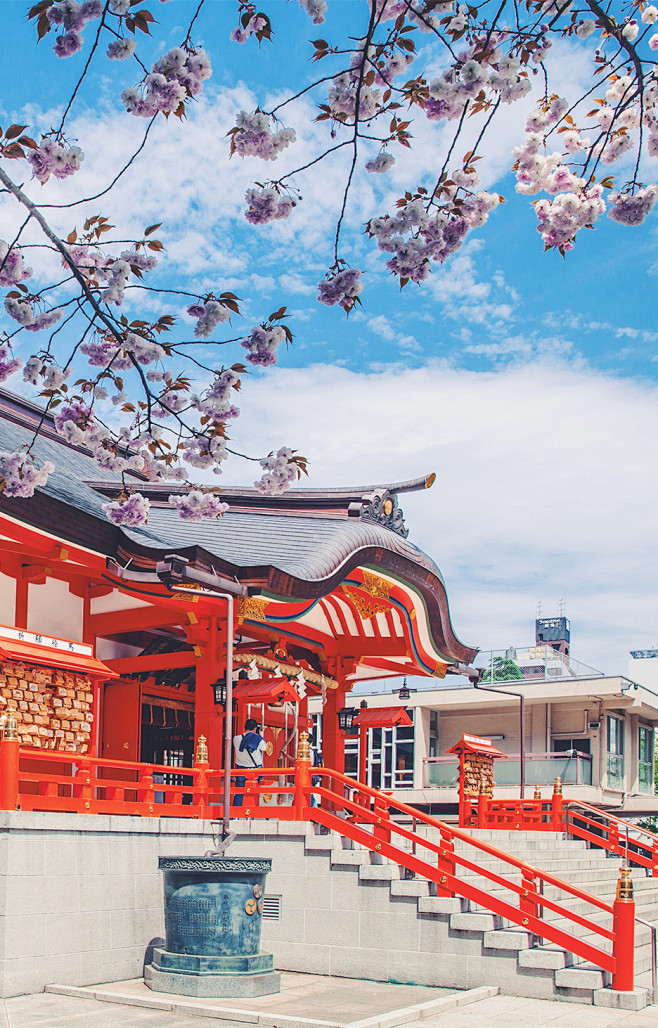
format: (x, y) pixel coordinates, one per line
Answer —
(134, 619)
(152, 662)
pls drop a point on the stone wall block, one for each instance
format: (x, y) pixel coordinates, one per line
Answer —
(298, 956)
(25, 935)
(390, 930)
(26, 855)
(353, 962)
(136, 927)
(334, 927)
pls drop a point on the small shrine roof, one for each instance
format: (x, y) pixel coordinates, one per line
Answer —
(268, 691)
(475, 744)
(382, 717)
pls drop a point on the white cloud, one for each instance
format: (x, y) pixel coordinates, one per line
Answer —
(544, 484)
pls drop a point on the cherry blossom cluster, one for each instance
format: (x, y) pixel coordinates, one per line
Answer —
(461, 83)
(130, 513)
(110, 273)
(422, 232)
(23, 311)
(196, 505)
(252, 136)
(106, 351)
(560, 219)
(121, 49)
(53, 377)
(216, 400)
(177, 75)
(208, 315)
(262, 343)
(632, 208)
(21, 476)
(205, 453)
(380, 164)
(72, 18)
(12, 266)
(8, 363)
(315, 9)
(280, 471)
(52, 158)
(425, 16)
(344, 92)
(267, 204)
(252, 23)
(341, 287)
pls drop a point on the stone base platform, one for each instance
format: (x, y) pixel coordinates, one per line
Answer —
(212, 977)
(305, 1001)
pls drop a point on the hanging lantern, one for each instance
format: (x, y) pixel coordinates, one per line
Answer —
(404, 692)
(219, 693)
(346, 718)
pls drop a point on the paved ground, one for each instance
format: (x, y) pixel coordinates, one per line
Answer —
(46, 1010)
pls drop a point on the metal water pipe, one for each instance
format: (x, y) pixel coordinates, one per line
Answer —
(509, 692)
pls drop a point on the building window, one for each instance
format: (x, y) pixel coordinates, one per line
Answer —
(434, 734)
(615, 752)
(645, 759)
(390, 760)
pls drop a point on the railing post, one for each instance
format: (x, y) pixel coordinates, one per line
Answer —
(557, 807)
(381, 812)
(654, 861)
(82, 785)
(446, 864)
(623, 926)
(528, 904)
(482, 810)
(9, 755)
(200, 781)
(146, 795)
(302, 778)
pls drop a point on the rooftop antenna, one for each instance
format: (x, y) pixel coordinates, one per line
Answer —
(563, 604)
(538, 610)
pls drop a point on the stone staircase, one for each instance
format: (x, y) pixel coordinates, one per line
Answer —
(538, 966)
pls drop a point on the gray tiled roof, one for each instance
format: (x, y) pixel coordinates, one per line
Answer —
(308, 548)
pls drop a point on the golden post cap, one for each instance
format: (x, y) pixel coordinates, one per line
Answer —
(557, 788)
(304, 748)
(201, 756)
(624, 885)
(10, 730)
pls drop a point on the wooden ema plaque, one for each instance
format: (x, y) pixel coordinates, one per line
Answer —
(476, 775)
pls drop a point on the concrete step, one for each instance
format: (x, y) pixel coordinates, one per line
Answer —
(585, 976)
(508, 939)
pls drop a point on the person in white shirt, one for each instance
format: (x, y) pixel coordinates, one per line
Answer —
(249, 748)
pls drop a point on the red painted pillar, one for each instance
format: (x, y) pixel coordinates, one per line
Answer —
(208, 718)
(333, 740)
(363, 754)
(9, 757)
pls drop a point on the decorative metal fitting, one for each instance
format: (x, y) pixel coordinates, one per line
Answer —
(625, 885)
(524, 921)
(304, 748)
(537, 793)
(557, 788)
(10, 731)
(201, 756)
(443, 879)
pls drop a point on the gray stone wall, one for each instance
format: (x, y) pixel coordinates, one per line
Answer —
(81, 899)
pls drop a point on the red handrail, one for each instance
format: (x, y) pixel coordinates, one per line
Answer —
(612, 841)
(529, 913)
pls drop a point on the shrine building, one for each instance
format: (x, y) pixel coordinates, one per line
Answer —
(113, 645)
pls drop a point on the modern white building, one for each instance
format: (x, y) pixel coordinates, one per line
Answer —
(594, 731)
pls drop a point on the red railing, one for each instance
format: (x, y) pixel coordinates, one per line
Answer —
(581, 820)
(49, 781)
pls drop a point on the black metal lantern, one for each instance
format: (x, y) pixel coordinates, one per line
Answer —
(404, 692)
(219, 690)
(346, 718)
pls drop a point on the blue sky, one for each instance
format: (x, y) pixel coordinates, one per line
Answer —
(525, 380)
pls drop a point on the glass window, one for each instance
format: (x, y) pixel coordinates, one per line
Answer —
(434, 734)
(615, 751)
(645, 759)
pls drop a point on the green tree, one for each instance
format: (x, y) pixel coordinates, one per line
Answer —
(502, 669)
